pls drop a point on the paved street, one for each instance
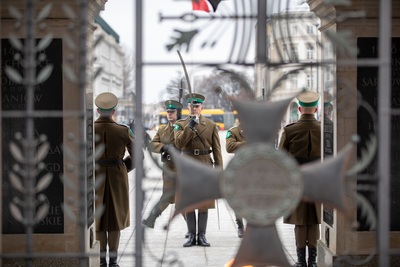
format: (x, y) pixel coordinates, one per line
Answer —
(164, 247)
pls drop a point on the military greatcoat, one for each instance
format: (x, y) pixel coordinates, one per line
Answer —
(113, 193)
(199, 144)
(234, 139)
(165, 136)
(302, 140)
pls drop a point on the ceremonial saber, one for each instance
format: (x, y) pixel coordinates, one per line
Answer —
(187, 80)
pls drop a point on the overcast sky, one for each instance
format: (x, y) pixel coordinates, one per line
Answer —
(119, 14)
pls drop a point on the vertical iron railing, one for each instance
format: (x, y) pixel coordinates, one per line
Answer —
(29, 148)
(82, 86)
(384, 126)
(139, 132)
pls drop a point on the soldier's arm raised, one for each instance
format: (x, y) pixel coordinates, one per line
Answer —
(183, 134)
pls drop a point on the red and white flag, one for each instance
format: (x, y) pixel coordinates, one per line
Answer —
(200, 5)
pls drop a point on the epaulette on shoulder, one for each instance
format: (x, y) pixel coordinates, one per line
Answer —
(233, 127)
(290, 124)
(123, 124)
(181, 120)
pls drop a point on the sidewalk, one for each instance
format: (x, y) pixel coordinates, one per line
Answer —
(165, 247)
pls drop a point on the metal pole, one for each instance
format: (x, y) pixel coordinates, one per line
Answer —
(139, 134)
(29, 82)
(261, 53)
(384, 135)
(83, 261)
(261, 45)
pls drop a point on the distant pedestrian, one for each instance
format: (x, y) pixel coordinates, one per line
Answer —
(198, 137)
(113, 194)
(302, 140)
(235, 140)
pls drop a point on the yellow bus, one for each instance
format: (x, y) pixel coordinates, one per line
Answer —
(223, 119)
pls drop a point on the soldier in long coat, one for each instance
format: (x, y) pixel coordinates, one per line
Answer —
(197, 137)
(302, 140)
(235, 140)
(162, 141)
(113, 194)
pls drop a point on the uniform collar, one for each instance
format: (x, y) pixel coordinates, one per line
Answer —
(307, 117)
(105, 119)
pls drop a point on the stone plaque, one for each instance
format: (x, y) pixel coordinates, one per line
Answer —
(367, 84)
(262, 183)
(47, 97)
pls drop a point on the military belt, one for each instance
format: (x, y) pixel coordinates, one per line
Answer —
(109, 162)
(197, 152)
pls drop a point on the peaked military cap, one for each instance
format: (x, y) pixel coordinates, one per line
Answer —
(171, 105)
(308, 99)
(106, 101)
(197, 98)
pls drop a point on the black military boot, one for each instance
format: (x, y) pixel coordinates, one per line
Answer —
(202, 226)
(240, 230)
(113, 262)
(191, 240)
(301, 258)
(312, 257)
(191, 224)
(187, 233)
(149, 222)
(103, 258)
(103, 262)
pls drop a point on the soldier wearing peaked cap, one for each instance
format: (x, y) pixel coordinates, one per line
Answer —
(162, 141)
(198, 137)
(112, 195)
(302, 140)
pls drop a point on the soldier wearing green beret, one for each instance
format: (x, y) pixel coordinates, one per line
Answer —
(198, 137)
(162, 141)
(235, 140)
(112, 194)
(302, 140)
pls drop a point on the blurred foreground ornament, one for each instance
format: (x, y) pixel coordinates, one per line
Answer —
(274, 183)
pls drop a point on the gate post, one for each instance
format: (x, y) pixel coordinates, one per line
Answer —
(60, 200)
(349, 241)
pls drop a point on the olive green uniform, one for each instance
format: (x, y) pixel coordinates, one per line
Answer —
(191, 144)
(199, 144)
(188, 141)
(162, 141)
(234, 139)
(165, 136)
(113, 193)
(302, 140)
